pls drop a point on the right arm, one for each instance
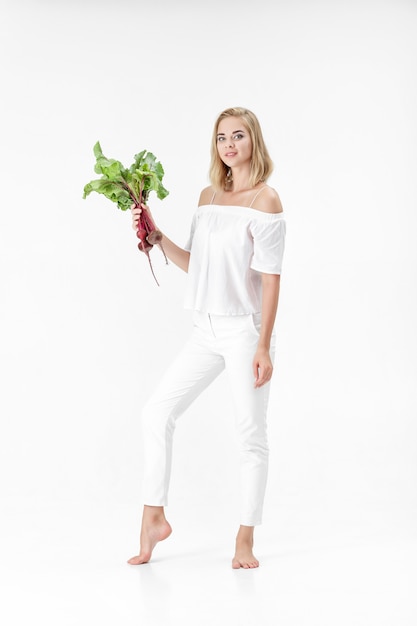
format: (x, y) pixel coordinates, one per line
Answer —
(177, 255)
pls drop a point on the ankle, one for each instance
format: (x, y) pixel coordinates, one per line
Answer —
(245, 534)
(153, 514)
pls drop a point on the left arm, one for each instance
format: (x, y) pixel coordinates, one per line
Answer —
(262, 364)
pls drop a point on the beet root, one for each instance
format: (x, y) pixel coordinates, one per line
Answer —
(145, 246)
(154, 237)
(141, 234)
(149, 236)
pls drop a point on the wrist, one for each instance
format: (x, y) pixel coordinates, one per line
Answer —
(264, 346)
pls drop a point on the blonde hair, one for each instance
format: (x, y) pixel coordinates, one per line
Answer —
(261, 163)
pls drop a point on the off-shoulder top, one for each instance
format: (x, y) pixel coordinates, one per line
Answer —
(230, 246)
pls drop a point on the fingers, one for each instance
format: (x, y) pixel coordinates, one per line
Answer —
(135, 218)
(136, 211)
(263, 374)
(262, 380)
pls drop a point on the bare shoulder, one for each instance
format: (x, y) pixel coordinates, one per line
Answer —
(268, 201)
(206, 196)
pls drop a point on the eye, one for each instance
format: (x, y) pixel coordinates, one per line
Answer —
(220, 138)
(238, 136)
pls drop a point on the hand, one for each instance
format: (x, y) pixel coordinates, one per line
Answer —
(262, 367)
(136, 211)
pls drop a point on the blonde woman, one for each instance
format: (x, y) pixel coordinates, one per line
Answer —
(233, 258)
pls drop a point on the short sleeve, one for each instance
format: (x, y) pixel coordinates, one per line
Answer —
(189, 241)
(268, 232)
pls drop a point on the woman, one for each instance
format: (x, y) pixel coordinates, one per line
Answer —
(233, 259)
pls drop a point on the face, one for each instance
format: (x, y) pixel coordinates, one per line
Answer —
(234, 144)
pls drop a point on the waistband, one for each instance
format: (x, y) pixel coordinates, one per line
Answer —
(226, 323)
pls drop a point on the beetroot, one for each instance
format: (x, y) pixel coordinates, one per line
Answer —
(132, 186)
(149, 236)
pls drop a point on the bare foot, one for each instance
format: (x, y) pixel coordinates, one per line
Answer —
(155, 528)
(244, 549)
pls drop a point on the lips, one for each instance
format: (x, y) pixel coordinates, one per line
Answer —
(230, 154)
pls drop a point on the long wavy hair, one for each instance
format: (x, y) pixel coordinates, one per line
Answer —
(261, 166)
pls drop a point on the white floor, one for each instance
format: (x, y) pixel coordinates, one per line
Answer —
(65, 564)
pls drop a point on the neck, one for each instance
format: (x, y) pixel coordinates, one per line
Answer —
(240, 179)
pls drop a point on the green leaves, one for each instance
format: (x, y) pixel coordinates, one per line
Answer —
(112, 190)
(147, 174)
(127, 186)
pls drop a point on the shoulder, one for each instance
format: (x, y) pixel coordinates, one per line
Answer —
(206, 196)
(268, 200)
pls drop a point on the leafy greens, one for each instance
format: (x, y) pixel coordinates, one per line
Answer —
(127, 186)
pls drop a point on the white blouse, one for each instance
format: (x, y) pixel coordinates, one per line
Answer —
(229, 246)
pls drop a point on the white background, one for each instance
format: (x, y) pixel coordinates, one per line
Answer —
(85, 332)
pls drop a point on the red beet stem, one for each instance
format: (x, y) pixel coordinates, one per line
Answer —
(148, 224)
(150, 265)
(163, 252)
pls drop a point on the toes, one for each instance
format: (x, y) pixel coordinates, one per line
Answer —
(134, 560)
(237, 564)
(138, 560)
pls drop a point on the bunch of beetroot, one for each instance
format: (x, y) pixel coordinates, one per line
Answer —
(149, 236)
(132, 186)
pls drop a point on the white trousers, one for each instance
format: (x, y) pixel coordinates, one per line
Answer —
(216, 343)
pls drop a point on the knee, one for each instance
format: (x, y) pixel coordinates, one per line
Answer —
(156, 417)
(254, 440)
(258, 448)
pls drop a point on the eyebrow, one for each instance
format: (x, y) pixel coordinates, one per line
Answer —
(233, 133)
